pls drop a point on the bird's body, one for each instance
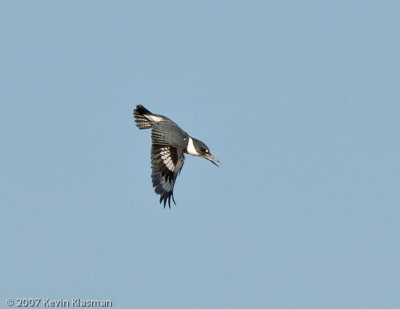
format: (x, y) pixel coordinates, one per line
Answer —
(169, 143)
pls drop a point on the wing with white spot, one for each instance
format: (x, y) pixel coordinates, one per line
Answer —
(166, 162)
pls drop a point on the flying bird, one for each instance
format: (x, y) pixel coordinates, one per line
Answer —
(169, 144)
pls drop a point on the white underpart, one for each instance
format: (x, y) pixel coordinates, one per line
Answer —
(191, 149)
(166, 157)
(154, 118)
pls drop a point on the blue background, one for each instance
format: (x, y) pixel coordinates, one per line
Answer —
(300, 100)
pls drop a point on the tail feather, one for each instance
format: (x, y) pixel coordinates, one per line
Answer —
(142, 122)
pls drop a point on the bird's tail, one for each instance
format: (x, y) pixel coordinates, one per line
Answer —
(142, 122)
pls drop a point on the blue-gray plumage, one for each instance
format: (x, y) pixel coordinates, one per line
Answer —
(169, 143)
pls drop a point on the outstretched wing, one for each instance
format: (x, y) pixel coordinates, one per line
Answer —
(166, 163)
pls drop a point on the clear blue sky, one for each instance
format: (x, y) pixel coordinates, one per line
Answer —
(300, 100)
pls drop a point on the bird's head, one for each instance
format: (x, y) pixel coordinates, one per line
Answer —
(201, 150)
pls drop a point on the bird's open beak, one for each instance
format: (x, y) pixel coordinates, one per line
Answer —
(212, 159)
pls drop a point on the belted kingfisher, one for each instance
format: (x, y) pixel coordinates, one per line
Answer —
(169, 143)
